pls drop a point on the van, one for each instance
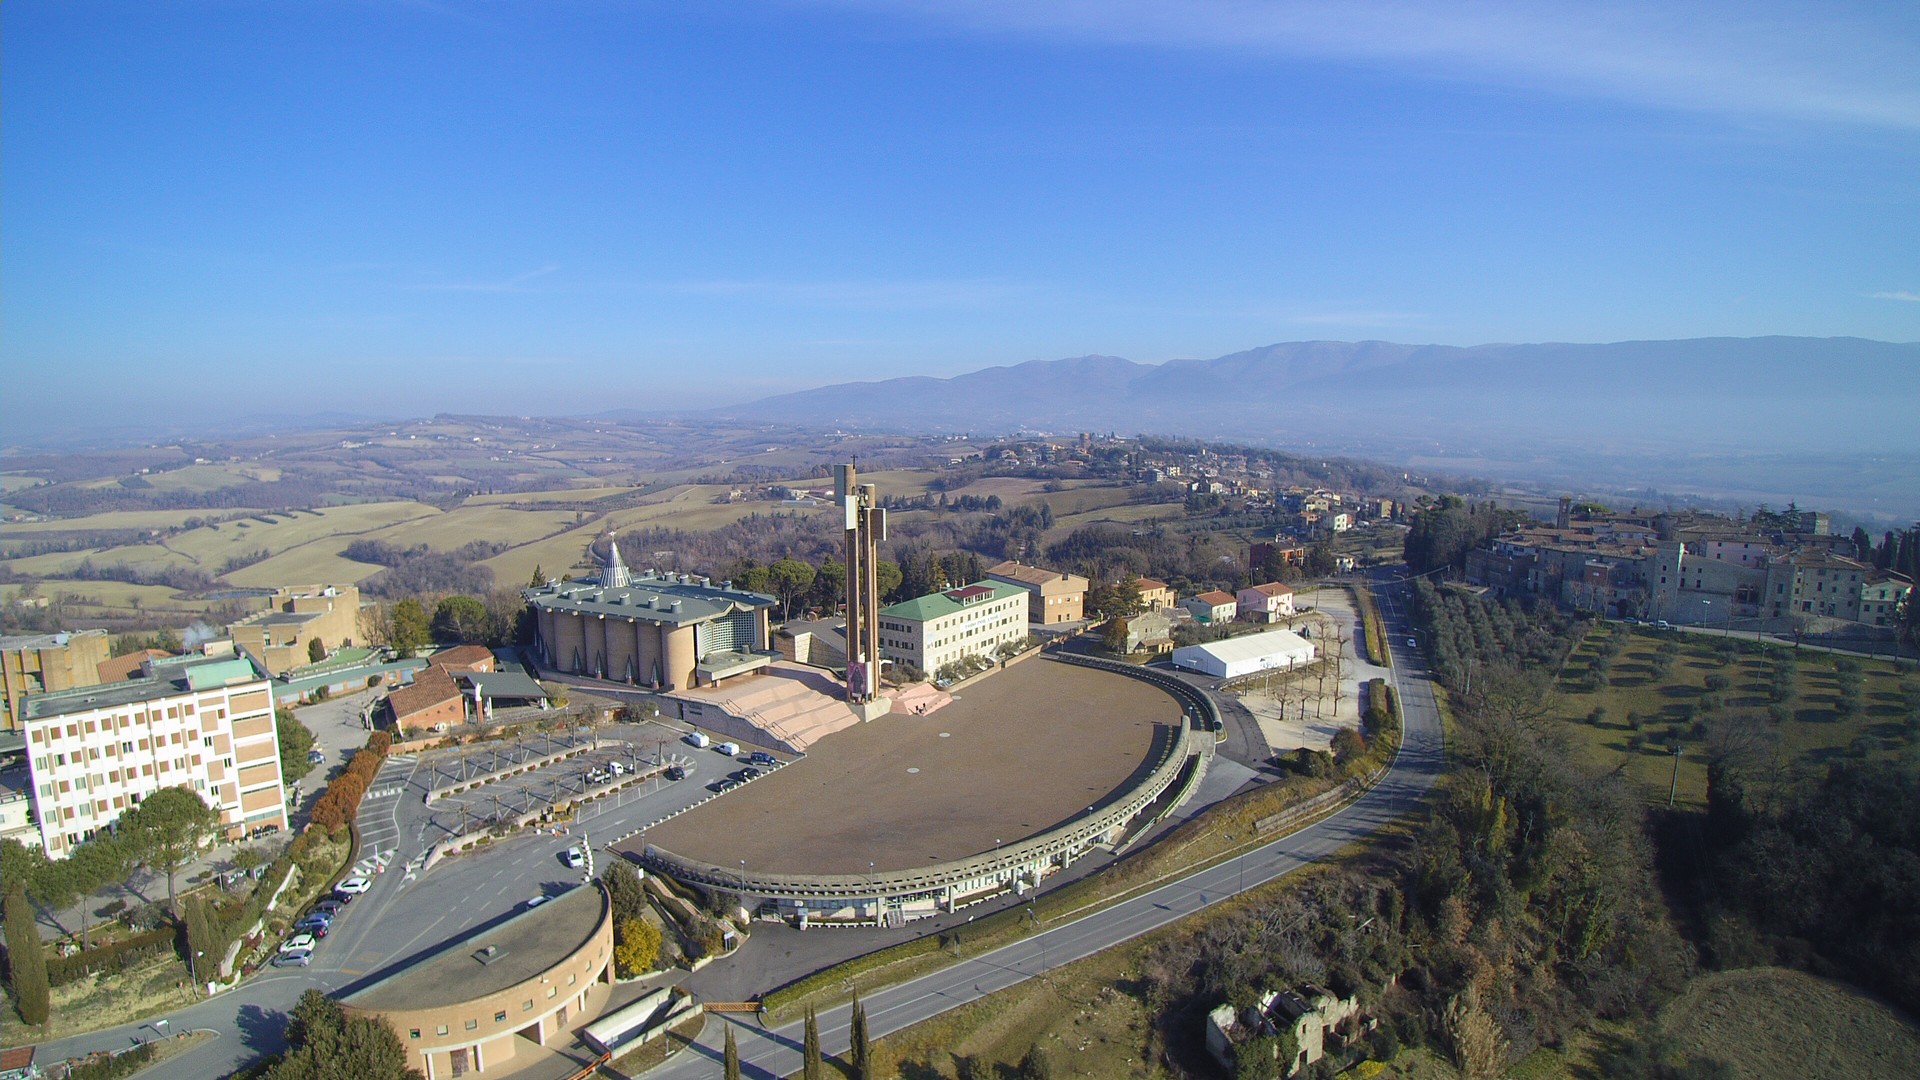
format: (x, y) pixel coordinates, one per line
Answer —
(728, 748)
(699, 739)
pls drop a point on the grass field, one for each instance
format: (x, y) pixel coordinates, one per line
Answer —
(1812, 735)
(1777, 1024)
(576, 494)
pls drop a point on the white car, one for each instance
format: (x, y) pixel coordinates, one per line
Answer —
(294, 958)
(354, 885)
(297, 942)
(574, 857)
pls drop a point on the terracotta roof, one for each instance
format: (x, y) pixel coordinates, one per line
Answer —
(122, 668)
(1030, 575)
(462, 657)
(1148, 584)
(1273, 588)
(1217, 598)
(433, 686)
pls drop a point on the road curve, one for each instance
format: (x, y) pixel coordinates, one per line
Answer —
(774, 1053)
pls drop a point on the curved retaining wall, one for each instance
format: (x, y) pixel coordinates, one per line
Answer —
(894, 896)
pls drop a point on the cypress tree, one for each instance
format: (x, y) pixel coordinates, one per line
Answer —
(860, 1051)
(730, 1061)
(26, 961)
(811, 1067)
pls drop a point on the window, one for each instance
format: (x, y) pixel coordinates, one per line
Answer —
(552, 990)
(472, 1025)
(527, 1005)
(500, 1017)
(413, 1033)
(441, 1030)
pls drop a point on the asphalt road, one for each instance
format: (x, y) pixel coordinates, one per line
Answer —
(772, 1053)
(404, 914)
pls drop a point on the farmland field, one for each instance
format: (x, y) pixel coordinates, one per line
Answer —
(1808, 723)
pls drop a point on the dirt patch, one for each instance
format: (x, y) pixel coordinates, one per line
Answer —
(1769, 1023)
(1015, 754)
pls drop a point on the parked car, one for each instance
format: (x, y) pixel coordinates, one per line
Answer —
(730, 749)
(676, 772)
(354, 886)
(317, 929)
(699, 739)
(616, 768)
(719, 786)
(574, 857)
(761, 757)
(330, 907)
(537, 901)
(294, 958)
(298, 941)
(315, 757)
(745, 775)
(1413, 643)
(319, 918)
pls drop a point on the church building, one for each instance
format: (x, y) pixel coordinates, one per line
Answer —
(666, 631)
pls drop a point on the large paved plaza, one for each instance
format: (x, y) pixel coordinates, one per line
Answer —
(1016, 753)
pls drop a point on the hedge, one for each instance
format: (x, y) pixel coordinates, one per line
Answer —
(117, 956)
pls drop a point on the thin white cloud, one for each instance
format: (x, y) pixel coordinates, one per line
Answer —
(1897, 294)
(857, 294)
(1846, 61)
(1356, 318)
(514, 284)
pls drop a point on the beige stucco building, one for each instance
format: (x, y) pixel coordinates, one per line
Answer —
(193, 721)
(1052, 597)
(37, 663)
(466, 1009)
(295, 616)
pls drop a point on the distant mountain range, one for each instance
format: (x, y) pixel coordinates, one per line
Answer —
(1768, 394)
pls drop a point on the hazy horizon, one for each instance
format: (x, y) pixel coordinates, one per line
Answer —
(216, 209)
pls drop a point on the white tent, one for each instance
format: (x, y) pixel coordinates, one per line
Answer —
(1234, 657)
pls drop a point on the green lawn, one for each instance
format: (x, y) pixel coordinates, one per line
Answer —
(1810, 728)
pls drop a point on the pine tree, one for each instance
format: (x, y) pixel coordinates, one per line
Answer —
(730, 1061)
(811, 1067)
(860, 1050)
(28, 964)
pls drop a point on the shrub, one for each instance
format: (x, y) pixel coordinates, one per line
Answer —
(1598, 716)
(114, 956)
(1718, 683)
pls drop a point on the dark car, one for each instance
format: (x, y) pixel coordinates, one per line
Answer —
(745, 775)
(330, 906)
(719, 786)
(761, 757)
(675, 772)
(308, 926)
(339, 897)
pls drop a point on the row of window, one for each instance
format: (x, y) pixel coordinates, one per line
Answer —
(499, 1017)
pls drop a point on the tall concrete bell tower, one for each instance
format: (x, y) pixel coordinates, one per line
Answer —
(866, 526)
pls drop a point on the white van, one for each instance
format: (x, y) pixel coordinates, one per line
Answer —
(699, 739)
(728, 748)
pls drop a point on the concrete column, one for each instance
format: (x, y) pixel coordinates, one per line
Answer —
(679, 658)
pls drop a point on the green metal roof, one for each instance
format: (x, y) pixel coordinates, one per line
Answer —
(934, 605)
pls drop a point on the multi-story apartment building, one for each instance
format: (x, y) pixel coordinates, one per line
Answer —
(1881, 597)
(1054, 597)
(297, 615)
(1265, 603)
(37, 663)
(1154, 594)
(1815, 582)
(932, 631)
(194, 721)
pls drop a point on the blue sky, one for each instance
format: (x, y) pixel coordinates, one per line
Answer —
(416, 207)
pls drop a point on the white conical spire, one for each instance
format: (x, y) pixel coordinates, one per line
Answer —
(614, 574)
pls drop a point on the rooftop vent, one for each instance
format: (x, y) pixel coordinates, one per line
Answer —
(489, 954)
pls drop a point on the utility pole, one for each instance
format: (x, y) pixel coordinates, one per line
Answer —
(1673, 788)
